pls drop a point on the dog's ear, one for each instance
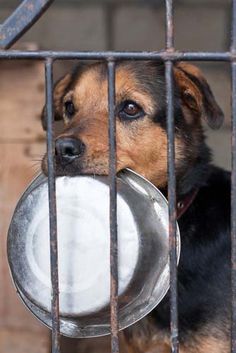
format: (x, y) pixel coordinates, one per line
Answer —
(58, 93)
(197, 94)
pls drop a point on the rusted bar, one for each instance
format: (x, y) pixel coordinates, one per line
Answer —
(52, 208)
(24, 16)
(142, 3)
(233, 210)
(105, 55)
(169, 26)
(233, 28)
(233, 182)
(171, 180)
(172, 208)
(113, 210)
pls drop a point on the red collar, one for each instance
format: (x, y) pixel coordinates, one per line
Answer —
(184, 203)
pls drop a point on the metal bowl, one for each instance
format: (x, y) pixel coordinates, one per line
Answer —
(83, 251)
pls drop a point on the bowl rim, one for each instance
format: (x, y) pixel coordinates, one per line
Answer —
(39, 180)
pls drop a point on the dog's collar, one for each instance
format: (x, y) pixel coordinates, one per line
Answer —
(184, 203)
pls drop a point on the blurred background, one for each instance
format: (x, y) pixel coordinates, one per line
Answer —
(88, 25)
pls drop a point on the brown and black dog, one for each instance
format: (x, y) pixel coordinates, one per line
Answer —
(80, 99)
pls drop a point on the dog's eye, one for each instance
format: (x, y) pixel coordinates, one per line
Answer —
(131, 110)
(69, 109)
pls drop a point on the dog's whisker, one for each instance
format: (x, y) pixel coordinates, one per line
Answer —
(36, 160)
(36, 173)
(35, 165)
(37, 155)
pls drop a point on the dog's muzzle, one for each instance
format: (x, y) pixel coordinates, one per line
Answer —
(68, 149)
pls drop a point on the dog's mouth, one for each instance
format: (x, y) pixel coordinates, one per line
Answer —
(76, 166)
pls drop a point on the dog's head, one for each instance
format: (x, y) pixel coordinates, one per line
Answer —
(81, 100)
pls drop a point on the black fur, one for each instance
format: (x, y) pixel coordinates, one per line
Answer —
(204, 268)
(204, 289)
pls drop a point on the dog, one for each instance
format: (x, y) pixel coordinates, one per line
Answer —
(81, 101)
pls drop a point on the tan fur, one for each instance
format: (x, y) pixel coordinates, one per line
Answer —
(141, 146)
(211, 338)
(144, 337)
(197, 94)
(191, 95)
(192, 69)
(205, 345)
(58, 91)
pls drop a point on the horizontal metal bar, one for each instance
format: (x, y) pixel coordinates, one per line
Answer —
(106, 55)
(79, 3)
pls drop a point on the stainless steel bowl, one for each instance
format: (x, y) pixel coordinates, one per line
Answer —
(83, 251)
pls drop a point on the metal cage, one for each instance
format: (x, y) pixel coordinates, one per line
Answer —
(26, 14)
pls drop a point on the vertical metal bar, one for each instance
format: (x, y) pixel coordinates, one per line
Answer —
(233, 183)
(171, 179)
(233, 27)
(52, 208)
(113, 209)
(233, 211)
(172, 208)
(169, 25)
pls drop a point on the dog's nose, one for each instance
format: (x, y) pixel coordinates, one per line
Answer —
(69, 148)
